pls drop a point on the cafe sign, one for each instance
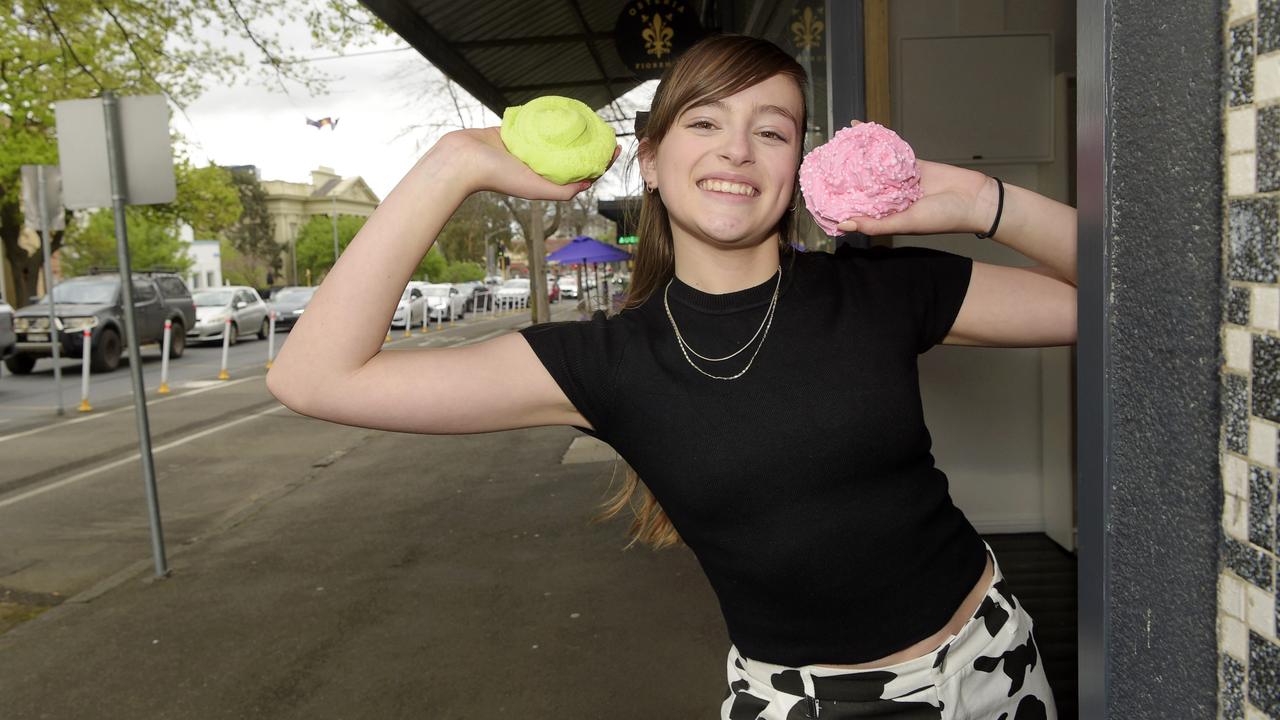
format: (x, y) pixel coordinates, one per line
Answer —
(651, 34)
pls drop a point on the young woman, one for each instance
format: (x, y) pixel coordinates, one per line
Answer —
(768, 398)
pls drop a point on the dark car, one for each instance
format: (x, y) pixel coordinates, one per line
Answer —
(289, 304)
(95, 302)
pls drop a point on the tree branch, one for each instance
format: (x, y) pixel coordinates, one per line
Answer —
(275, 62)
(67, 45)
(146, 71)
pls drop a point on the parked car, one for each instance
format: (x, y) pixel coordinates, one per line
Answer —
(95, 302)
(444, 301)
(289, 303)
(240, 303)
(513, 289)
(568, 286)
(410, 308)
(8, 340)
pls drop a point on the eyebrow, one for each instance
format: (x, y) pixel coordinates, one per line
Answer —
(773, 109)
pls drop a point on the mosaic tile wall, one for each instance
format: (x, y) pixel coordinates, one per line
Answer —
(1249, 650)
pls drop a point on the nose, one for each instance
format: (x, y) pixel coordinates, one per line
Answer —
(736, 147)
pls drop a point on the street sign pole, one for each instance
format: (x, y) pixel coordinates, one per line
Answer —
(119, 198)
(55, 334)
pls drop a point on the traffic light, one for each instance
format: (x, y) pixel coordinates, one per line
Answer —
(628, 240)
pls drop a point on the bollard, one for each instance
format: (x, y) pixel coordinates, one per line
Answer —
(426, 319)
(226, 343)
(388, 338)
(408, 321)
(450, 312)
(84, 374)
(271, 338)
(439, 320)
(164, 358)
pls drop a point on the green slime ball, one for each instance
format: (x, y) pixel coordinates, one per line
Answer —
(559, 138)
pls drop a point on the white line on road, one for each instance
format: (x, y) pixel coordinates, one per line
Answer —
(150, 403)
(136, 456)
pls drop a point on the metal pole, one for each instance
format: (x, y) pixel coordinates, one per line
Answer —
(115, 160)
(55, 332)
(335, 229)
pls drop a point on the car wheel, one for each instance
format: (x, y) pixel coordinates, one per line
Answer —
(235, 334)
(177, 341)
(105, 356)
(266, 328)
(20, 364)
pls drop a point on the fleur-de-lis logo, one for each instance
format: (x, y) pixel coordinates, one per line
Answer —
(657, 37)
(808, 30)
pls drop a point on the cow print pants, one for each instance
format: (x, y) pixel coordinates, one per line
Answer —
(991, 670)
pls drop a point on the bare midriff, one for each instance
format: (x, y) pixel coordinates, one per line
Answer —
(934, 641)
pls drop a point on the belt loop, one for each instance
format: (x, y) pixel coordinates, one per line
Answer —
(810, 693)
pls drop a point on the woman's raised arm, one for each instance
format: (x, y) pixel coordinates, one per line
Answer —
(332, 367)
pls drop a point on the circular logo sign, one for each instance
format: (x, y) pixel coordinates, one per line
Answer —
(651, 34)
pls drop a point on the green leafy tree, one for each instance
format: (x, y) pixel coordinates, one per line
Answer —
(434, 267)
(315, 242)
(463, 271)
(91, 242)
(252, 235)
(482, 218)
(206, 199)
(80, 48)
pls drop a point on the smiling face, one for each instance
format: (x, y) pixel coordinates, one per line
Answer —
(726, 171)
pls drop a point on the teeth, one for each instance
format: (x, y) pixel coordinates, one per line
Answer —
(727, 187)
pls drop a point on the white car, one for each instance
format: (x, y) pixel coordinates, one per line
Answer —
(513, 290)
(240, 303)
(568, 286)
(444, 301)
(410, 307)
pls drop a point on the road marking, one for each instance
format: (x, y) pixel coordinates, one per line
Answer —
(150, 403)
(136, 456)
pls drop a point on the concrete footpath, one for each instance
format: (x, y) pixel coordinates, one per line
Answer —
(401, 577)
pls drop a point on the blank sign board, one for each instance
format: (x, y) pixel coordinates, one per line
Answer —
(82, 152)
(981, 98)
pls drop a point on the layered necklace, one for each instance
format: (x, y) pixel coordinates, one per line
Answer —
(762, 332)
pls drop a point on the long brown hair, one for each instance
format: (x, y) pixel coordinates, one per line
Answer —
(712, 69)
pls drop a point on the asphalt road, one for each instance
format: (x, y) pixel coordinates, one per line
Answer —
(324, 571)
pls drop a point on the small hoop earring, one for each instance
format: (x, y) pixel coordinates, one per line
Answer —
(792, 208)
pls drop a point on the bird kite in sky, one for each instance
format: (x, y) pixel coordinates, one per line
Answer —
(319, 124)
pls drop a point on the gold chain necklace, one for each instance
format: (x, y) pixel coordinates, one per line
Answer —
(762, 332)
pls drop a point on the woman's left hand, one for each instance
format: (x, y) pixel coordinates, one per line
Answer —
(955, 200)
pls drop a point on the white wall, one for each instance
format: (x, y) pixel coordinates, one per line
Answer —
(207, 270)
(1000, 417)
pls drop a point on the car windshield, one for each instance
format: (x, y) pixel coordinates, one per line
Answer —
(516, 283)
(294, 295)
(95, 292)
(436, 291)
(213, 298)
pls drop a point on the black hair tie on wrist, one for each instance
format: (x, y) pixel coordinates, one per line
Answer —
(999, 210)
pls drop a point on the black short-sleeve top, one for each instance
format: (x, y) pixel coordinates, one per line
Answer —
(805, 487)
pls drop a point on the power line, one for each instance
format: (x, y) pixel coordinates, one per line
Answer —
(335, 57)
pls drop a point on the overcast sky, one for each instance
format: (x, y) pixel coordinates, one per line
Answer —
(374, 97)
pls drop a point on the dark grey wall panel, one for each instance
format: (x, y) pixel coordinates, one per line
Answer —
(1149, 377)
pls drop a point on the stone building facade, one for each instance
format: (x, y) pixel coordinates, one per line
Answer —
(292, 204)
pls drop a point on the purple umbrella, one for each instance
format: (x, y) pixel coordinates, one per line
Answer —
(584, 249)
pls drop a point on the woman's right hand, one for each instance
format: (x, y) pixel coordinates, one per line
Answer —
(488, 165)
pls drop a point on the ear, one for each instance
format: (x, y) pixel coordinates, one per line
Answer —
(648, 162)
